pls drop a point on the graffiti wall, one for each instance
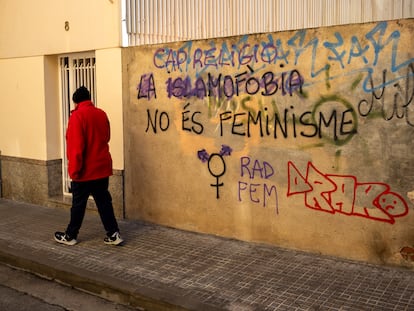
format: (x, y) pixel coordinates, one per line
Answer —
(301, 139)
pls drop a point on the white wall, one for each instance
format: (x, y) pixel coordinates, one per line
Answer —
(109, 97)
(38, 27)
(22, 108)
(32, 37)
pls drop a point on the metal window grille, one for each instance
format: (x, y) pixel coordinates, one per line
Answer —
(75, 70)
(160, 21)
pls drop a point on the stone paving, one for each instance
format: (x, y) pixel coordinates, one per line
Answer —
(161, 268)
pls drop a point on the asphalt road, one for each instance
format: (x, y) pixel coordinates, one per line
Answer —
(21, 291)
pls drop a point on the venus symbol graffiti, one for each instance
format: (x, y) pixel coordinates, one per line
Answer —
(216, 164)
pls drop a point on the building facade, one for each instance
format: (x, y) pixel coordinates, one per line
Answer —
(50, 48)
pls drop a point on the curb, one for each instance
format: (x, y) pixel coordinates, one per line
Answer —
(103, 286)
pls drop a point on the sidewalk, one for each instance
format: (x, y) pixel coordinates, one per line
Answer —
(161, 268)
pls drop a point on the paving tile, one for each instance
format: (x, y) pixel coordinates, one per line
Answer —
(219, 273)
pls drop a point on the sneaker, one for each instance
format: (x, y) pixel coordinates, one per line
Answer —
(63, 238)
(114, 239)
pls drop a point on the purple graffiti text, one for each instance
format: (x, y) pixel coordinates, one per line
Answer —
(228, 86)
(261, 192)
(146, 87)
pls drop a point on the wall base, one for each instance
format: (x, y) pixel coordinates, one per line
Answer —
(40, 182)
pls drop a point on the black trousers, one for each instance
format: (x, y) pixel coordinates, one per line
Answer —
(80, 194)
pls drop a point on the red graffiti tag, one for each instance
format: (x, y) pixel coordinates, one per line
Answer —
(344, 194)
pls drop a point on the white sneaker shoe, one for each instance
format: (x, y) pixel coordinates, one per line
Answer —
(63, 238)
(114, 239)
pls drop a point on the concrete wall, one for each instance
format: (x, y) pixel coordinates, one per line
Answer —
(301, 139)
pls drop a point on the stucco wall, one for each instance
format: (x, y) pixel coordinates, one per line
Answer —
(30, 114)
(23, 115)
(31, 28)
(301, 139)
(109, 93)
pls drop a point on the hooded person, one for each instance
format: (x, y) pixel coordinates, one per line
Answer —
(89, 167)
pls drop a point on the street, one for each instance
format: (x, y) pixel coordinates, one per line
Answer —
(21, 291)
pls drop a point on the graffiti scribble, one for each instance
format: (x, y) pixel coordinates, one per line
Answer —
(343, 194)
(225, 150)
(203, 155)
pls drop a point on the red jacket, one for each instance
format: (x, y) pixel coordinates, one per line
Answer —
(87, 138)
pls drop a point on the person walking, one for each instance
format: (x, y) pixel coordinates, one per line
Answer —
(89, 167)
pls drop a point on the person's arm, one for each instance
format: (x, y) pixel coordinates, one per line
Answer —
(75, 144)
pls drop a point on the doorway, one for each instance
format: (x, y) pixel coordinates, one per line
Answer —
(76, 69)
